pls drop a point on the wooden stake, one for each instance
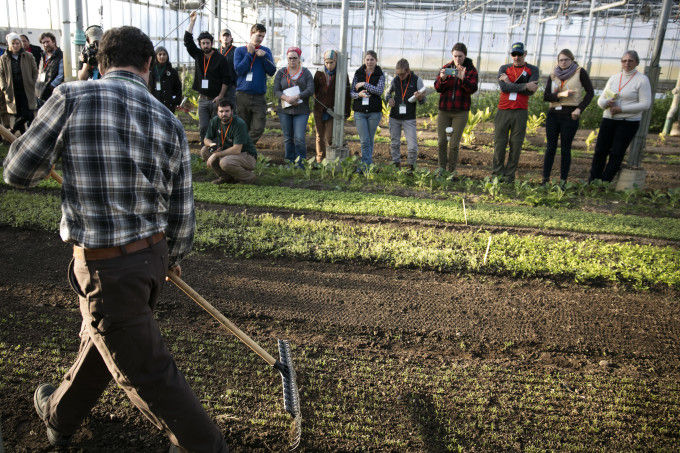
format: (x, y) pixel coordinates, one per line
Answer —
(488, 244)
(464, 211)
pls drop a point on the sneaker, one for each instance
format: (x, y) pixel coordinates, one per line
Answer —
(40, 397)
(224, 180)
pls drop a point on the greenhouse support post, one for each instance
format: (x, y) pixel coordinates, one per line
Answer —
(337, 150)
(653, 70)
(66, 40)
(364, 49)
(526, 28)
(481, 40)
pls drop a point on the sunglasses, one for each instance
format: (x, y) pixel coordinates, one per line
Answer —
(517, 54)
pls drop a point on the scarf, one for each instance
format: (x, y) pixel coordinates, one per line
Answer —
(564, 74)
(330, 73)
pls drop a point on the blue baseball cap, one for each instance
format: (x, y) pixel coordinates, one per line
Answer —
(517, 47)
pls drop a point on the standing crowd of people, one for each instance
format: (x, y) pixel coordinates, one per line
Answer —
(237, 76)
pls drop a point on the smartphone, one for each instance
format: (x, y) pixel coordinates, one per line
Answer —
(451, 71)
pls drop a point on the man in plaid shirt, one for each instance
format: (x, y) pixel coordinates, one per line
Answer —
(456, 83)
(127, 208)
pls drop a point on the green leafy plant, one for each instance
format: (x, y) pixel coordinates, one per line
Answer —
(534, 122)
(590, 140)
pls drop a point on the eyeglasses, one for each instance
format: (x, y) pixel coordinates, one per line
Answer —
(517, 54)
(627, 61)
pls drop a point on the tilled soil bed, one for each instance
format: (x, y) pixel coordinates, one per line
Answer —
(390, 360)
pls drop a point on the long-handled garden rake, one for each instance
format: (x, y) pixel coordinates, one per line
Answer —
(291, 396)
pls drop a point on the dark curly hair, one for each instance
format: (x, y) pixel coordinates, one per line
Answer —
(205, 35)
(124, 46)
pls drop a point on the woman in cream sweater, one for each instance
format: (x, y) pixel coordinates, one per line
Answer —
(626, 95)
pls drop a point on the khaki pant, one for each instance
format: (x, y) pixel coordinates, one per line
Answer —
(409, 128)
(253, 109)
(121, 339)
(324, 136)
(236, 168)
(513, 122)
(458, 120)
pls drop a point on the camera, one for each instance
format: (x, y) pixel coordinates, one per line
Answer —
(451, 71)
(90, 54)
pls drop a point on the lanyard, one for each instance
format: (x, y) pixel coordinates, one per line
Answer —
(514, 73)
(624, 85)
(403, 93)
(227, 53)
(45, 61)
(205, 66)
(253, 61)
(224, 135)
(368, 76)
(290, 78)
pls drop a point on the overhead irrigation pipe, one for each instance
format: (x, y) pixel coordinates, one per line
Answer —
(284, 365)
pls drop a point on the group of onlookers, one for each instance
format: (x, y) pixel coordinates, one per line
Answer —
(233, 80)
(27, 77)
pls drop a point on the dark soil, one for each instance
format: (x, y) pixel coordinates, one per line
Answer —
(339, 316)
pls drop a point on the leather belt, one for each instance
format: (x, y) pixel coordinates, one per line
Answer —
(81, 253)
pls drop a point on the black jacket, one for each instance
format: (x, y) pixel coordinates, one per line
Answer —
(216, 70)
(228, 55)
(170, 93)
(51, 70)
(375, 101)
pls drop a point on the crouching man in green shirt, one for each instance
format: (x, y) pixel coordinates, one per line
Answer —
(228, 149)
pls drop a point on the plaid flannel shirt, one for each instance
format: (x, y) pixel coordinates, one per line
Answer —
(125, 159)
(454, 93)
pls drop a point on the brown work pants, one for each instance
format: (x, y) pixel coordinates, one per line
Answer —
(120, 339)
(238, 168)
(324, 136)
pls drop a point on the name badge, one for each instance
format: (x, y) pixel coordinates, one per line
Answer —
(249, 77)
(364, 101)
(158, 86)
(204, 84)
(559, 107)
(41, 77)
(523, 74)
(402, 109)
(512, 96)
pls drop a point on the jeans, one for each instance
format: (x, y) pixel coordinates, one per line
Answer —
(207, 109)
(612, 142)
(294, 128)
(367, 123)
(563, 126)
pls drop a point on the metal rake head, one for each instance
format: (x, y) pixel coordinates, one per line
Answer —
(291, 396)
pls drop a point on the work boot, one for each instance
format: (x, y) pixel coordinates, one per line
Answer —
(40, 397)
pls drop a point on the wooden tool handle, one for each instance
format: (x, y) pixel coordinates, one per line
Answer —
(10, 137)
(230, 326)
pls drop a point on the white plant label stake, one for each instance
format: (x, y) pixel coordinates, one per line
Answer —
(488, 244)
(464, 212)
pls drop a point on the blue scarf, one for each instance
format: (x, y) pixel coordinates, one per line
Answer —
(330, 73)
